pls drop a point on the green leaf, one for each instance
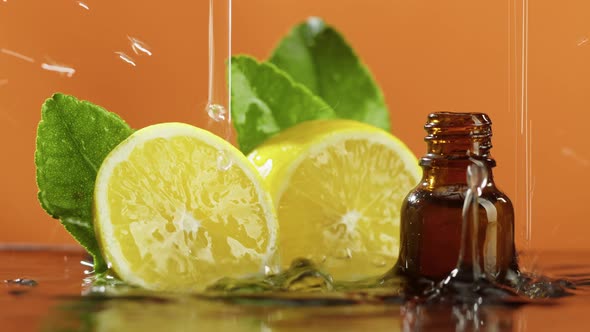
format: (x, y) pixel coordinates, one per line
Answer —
(317, 56)
(73, 138)
(265, 100)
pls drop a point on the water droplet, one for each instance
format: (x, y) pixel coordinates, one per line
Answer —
(216, 112)
(83, 5)
(85, 263)
(126, 58)
(138, 46)
(477, 174)
(379, 260)
(344, 253)
(16, 55)
(224, 163)
(68, 71)
(315, 25)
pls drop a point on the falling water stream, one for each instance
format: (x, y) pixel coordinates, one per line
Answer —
(218, 98)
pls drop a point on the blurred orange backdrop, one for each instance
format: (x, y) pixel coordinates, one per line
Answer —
(453, 55)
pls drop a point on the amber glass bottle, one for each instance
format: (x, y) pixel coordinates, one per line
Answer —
(432, 213)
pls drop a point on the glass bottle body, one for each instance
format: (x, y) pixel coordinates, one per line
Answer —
(432, 223)
(435, 237)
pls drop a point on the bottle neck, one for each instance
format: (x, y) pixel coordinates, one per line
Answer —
(454, 142)
(451, 173)
(457, 153)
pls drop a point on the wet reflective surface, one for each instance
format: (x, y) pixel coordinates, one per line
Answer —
(43, 289)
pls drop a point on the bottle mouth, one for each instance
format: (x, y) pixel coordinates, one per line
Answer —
(450, 125)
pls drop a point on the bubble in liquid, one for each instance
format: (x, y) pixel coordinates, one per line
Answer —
(68, 71)
(138, 46)
(216, 112)
(126, 58)
(224, 163)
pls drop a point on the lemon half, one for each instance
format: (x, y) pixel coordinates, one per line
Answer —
(338, 186)
(177, 208)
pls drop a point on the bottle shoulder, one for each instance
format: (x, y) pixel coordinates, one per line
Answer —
(454, 194)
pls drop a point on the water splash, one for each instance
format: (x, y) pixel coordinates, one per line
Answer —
(83, 5)
(139, 47)
(126, 58)
(216, 112)
(22, 282)
(16, 54)
(61, 69)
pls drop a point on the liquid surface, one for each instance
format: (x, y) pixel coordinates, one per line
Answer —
(61, 300)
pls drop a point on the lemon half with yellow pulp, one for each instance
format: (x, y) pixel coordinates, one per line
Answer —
(338, 186)
(177, 208)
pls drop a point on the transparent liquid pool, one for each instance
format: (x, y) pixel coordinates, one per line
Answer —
(58, 303)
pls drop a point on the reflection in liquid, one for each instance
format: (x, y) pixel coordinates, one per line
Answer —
(55, 304)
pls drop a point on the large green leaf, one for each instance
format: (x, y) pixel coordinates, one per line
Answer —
(317, 56)
(265, 101)
(73, 138)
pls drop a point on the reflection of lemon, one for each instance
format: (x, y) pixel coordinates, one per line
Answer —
(338, 186)
(170, 216)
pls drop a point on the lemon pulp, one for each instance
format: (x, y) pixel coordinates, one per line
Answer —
(169, 217)
(338, 186)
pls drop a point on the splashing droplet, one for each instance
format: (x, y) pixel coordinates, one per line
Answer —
(216, 112)
(138, 46)
(16, 55)
(83, 5)
(22, 282)
(582, 41)
(68, 71)
(126, 58)
(224, 163)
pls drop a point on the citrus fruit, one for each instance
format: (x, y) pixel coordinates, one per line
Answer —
(177, 208)
(338, 186)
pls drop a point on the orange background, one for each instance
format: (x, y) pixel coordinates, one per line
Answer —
(453, 55)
